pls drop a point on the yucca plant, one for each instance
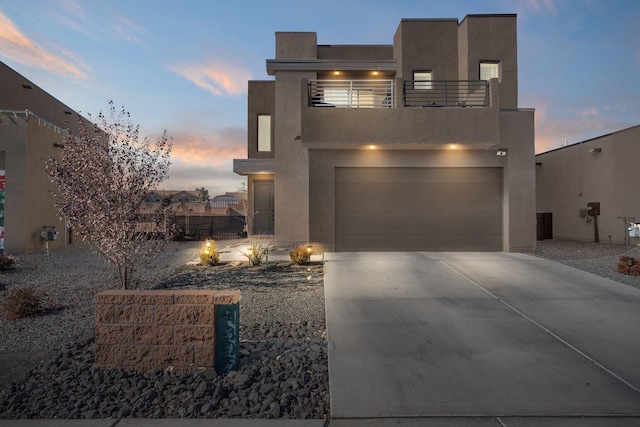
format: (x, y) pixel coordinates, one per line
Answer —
(256, 253)
(209, 255)
(300, 254)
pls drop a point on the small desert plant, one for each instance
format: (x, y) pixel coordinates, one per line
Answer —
(23, 302)
(209, 255)
(624, 267)
(256, 253)
(300, 254)
(7, 262)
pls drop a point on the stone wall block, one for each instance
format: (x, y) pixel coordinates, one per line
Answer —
(195, 335)
(138, 329)
(195, 297)
(105, 314)
(104, 355)
(134, 314)
(133, 355)
(114, 334)
(204, 315)
(153, 335)
(175, 315)
(205, 356)
(174, 356)
(155, 297)
(226, 297)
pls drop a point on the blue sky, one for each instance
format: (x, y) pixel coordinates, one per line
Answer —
(184, 65)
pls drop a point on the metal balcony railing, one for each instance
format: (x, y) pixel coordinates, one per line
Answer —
(446, 93)
(352, 93)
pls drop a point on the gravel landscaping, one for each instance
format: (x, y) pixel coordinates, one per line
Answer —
(283, 355)
(46, 361)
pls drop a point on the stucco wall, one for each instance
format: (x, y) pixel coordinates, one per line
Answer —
(517, 136)
(427, 45)
(491, 38)
(291, 168)
(322, 177)
(261, 100)
(570, 177)
(27, 141)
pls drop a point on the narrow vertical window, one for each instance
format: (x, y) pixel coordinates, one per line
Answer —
(264, 132)
(489, 70)
(422, 80)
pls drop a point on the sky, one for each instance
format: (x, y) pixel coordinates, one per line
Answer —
(183, 65)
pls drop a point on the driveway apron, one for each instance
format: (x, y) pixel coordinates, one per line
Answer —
(482, 335)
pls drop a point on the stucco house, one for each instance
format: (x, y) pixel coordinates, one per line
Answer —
(31, 126)
(600, 173)
(415, 145)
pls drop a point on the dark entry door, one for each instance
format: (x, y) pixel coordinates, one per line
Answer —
(544, 226)
(263, 207)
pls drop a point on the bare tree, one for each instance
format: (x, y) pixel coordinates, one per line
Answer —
(103, 172)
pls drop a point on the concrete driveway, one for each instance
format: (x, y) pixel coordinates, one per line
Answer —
(479, 339)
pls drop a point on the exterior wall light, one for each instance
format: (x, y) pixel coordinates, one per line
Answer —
(501, 152)
(372, 147)
(595, 150)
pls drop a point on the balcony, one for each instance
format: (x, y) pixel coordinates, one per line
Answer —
(446, 93)
(352, 93)
(468, 115)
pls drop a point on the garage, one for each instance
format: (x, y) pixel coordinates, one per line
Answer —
(426, 209)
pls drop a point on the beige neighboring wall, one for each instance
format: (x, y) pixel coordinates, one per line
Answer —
(603, 169)
(27, 140)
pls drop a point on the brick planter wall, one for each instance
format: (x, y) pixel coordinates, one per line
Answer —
(144, 329)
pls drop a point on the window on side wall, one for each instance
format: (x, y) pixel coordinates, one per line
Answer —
(422, 80)
(264, 132)
(489, 70)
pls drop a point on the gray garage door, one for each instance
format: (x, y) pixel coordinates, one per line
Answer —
(430, 209)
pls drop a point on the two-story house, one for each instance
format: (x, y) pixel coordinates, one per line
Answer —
(416, 145)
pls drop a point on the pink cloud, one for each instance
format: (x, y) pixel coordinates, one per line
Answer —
(552, 130)
(539, 5)
(213, 150)
(17, 46)
(217, 77)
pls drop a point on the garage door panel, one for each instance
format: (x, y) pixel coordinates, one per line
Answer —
(418, 209)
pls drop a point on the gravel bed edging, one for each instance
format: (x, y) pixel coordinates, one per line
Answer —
(283, 370)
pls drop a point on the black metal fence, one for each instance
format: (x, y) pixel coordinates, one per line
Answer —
(216, 227)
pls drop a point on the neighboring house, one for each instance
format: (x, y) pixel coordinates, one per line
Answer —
(602, 171)
(189, 203)
(415, 145)
(219, 218)
(32, 123)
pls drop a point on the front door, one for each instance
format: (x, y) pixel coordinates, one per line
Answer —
(263, 208)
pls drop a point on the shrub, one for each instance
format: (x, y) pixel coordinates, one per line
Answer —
(256, 253)
(7, 262)
(622, 267)
(300, 254)
(635, 270)
(209, 255)
(20, 303)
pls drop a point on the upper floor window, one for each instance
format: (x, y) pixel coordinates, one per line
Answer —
(489, 70)
(264, 132)
(422, 80)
